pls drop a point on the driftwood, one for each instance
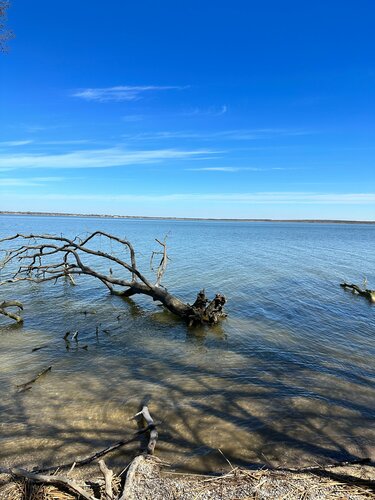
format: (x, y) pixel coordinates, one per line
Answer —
(142, 472)
(367, 293)
(46, 479)
(36, 255)
(27, 385)
(151, 426)
(11, 303)
(101, 453)
(40, 475)
(39, 348)
(128, 491)
(108, 476)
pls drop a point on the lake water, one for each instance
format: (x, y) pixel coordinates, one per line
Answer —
(287, 379)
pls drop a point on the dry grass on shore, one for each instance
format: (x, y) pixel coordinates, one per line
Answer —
(153, 481)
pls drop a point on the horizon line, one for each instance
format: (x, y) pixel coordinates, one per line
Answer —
(151, 217)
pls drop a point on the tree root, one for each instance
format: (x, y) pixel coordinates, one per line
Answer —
(205, 311)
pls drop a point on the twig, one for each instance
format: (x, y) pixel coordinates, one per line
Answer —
(360, 461)
(38, 348)
(27, 385)
(98, 454)
(44, 478)
(231, 466)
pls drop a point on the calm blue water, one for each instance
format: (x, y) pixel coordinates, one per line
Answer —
(288, 377)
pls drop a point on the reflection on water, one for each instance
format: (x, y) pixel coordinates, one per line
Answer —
(288, 377)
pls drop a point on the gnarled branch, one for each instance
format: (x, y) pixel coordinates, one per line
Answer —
(11, 303)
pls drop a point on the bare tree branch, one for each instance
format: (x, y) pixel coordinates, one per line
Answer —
(44, 478)
(11, 303)
(163, 263)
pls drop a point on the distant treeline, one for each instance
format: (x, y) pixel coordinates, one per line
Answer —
(142, 217)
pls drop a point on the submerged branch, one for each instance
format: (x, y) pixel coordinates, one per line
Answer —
(27, 385)
(11, 303)
(367, 293)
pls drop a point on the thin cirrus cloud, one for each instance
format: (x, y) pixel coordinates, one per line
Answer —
(121, 92)
(97, 158)
(217, 169)
(234, 169)
(210, 111)
(236, 134)
(304, 198)
(11, 144)
(28, 182)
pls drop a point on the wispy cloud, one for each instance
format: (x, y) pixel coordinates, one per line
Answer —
(210, 111)
(97, 158)
(223, 169)
(214, 169)
(121, 92)
(30, 182)
(235, 169)
(236, 134)
(15, 143)
(275, 198)
(64, 142)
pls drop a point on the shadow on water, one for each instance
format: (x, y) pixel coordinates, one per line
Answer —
(287, 379)
(257, 405)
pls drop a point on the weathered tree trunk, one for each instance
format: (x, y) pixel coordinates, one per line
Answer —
(202, 311)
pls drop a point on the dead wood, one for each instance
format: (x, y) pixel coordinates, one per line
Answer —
(44, 257)
(367, 293)
(11, 303)
(108, 476)
(98, 454)
(128, 491)
(151, 426)
(39, 348)
(27, 385)
(44, 478)
(145, 480)
(311, 468)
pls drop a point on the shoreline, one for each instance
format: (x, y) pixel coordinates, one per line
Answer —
(211, 219)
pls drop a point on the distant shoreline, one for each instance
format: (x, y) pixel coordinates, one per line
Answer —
(141, 217)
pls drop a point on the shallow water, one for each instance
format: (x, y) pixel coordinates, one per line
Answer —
(288, 377)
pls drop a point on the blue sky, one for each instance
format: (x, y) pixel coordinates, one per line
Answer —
(236, 108)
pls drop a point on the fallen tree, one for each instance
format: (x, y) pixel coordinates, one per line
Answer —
(37, 254)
